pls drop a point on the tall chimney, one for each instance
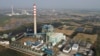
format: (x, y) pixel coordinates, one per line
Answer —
(35, 25)
(12, 9)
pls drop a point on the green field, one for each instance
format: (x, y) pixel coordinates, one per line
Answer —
(3, 19)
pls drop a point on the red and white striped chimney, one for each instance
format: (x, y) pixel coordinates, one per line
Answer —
(35, 24)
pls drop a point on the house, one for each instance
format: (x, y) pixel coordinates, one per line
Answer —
(4, 42)
(67, 49)
(75, 47)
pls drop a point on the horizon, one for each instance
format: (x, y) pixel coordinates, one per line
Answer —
(51, 4)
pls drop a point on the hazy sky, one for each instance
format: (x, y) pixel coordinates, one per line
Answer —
(68, 4)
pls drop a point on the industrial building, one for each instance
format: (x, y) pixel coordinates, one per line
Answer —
(47, 41)
(52, 36)
(37, 42)
(55, 38)
(24, 12)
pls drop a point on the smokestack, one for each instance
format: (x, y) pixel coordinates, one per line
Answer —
(35, 25)
(12, 9)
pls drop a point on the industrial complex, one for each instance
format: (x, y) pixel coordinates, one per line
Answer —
(51, 41)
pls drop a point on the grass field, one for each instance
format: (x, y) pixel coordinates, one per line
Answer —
(82, 36)
(3, 20)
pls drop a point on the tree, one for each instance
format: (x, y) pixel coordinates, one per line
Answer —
(13, 39)
(5, 36)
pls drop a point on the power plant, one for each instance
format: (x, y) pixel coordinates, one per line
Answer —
(12, 12)
(50, 41)
(38, 43)
(24, 12)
